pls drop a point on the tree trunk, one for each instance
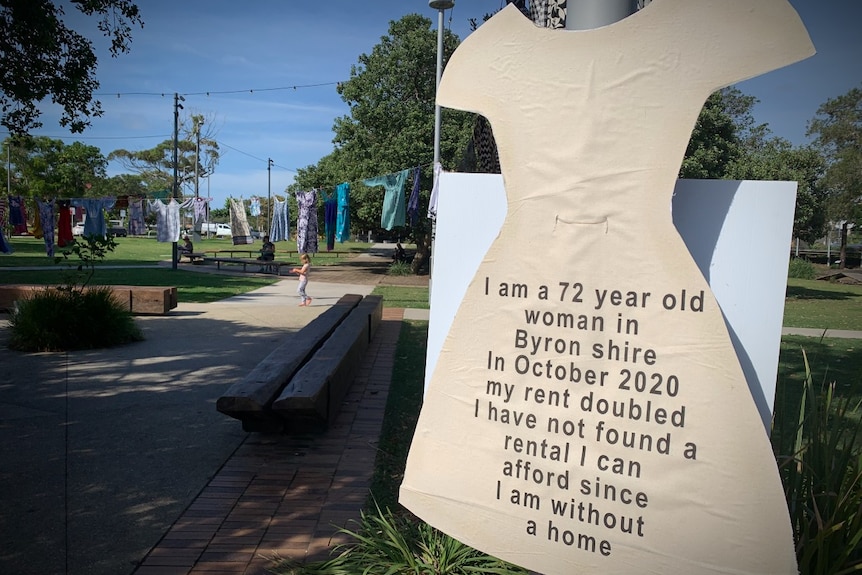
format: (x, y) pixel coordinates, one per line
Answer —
(843, 256)
(423, 252)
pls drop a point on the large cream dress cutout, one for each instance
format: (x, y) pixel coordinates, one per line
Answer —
(519, 450)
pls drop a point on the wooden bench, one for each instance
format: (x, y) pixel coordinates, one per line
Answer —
(312, 398)
(337, 339)
(230, 253)
(193, 258)
(250, 399)
(336, 253)
(272, 266)
(139, 300)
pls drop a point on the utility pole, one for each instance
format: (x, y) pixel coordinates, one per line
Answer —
(268, 195)
(196, 225)
(176, 190)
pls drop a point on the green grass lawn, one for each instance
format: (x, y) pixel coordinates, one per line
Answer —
(192, 287)
(823, 305)
(141, 250)
(406, 297)
(835, 361)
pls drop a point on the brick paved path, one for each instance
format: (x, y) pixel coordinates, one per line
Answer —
(285, 494)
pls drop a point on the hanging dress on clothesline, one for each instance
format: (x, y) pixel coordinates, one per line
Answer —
(239, 230)
(413, 200)
(64, 223)
(280, 227)
(46, 218)
(5, 247)
(342, 223)
(17, 215)
(538, 401)
(393, 199)
(306, 222)
(330, 219)
(94, 224)
(167, 219)
(137, 227)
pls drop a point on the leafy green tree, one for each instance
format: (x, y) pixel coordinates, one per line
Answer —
(41, 57)
(45, 167)
(391, 125)
(777, 159)
(197, 156)
(122, 185)
(727, 143)
(838, 130)
(716, 138)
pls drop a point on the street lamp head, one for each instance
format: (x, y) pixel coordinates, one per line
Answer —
(441, 4)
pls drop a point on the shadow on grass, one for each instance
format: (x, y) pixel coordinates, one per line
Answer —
(804, 293)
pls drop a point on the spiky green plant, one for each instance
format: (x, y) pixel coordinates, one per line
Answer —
(58, 319)
(389, 544)
(801, 268)
(73, 315)
(821, 468)
(399, 269)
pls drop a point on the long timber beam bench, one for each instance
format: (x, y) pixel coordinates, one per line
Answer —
(250, 399)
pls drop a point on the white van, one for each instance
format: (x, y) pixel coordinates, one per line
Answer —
(219, 230)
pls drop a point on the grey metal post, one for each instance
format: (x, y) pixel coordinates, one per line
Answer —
(441, 6)
(268, 196)
(177, 106)
(588, 14)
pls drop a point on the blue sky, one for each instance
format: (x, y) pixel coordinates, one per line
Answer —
(196, 46)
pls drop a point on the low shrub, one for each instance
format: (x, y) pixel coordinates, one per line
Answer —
(821, 469)
(400, 269)
(801, 268)
(396, 545)
(62, 319)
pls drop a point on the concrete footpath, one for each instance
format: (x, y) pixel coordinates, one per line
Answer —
(111, 460)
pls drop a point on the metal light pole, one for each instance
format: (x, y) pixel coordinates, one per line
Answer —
(177, 108)
(268, 195)
(441, 6)
(588, 14)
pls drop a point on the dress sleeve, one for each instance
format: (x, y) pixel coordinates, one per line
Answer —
(479, 68)
(733, 40)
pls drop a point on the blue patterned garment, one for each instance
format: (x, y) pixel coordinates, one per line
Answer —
(46, 215)
(306, 222)
(280, 228)
(330, 219)
(342, 222)
(95, 224)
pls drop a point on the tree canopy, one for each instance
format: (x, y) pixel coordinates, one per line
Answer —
(41, 57)
(838, 130)
(197, 156)
(391, 124)
(727, 143)
(42, 166)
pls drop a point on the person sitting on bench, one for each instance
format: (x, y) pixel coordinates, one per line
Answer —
(267, 250)
(187, 248)
(400, 255)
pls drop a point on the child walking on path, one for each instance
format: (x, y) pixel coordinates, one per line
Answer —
(303, 279)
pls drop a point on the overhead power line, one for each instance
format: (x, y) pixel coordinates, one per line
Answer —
(218, 92)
